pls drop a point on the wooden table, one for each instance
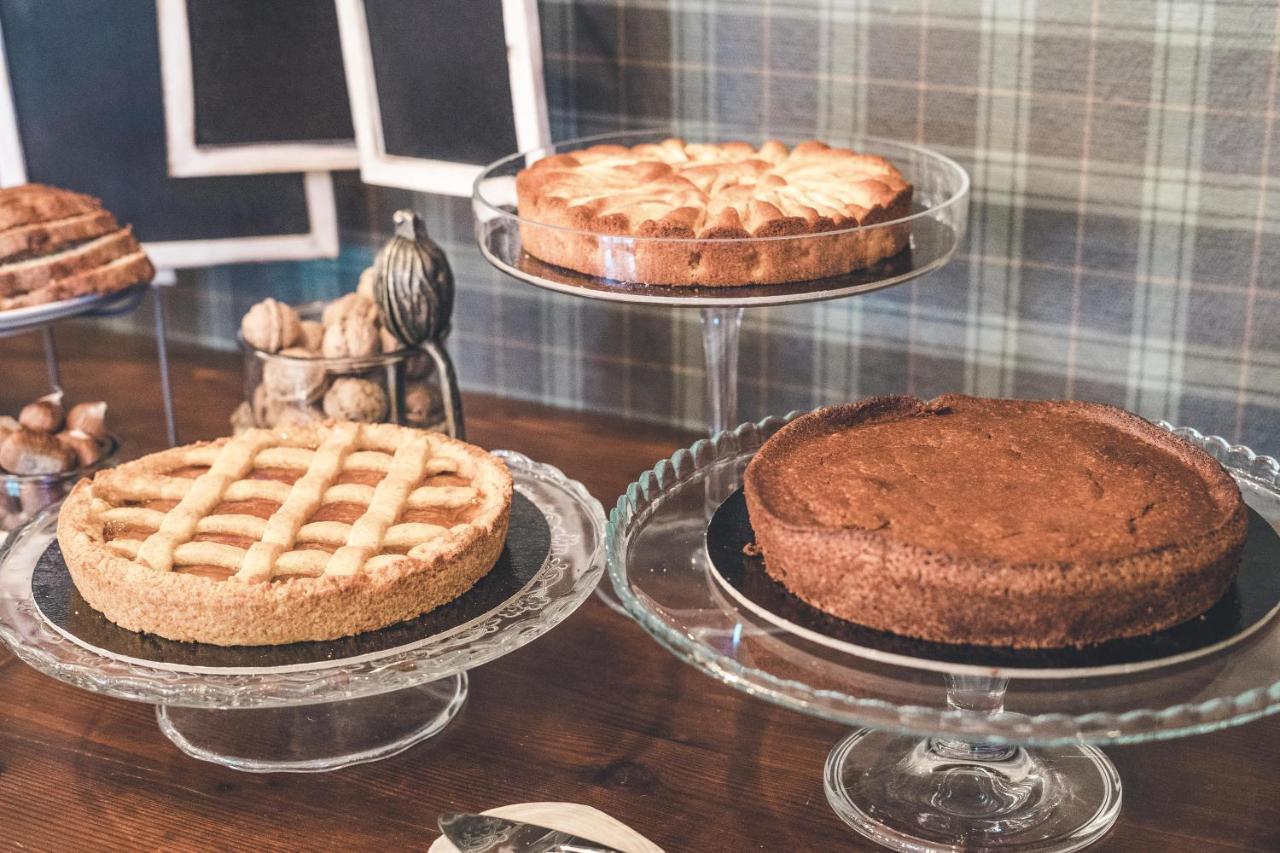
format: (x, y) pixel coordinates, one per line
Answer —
(594, 712)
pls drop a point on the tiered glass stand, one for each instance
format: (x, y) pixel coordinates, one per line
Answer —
(937, 222)
(42, 318)
(320, 716)
(946, 756)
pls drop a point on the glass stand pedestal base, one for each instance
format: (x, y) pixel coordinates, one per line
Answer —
(314, 738)
(919, 795)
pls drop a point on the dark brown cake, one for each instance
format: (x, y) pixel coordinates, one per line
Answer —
(995, 522)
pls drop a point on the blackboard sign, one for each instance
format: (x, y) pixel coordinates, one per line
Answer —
(84, 110)
(252, 87)
(439, 89)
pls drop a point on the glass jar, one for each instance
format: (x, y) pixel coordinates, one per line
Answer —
(27, 494)
(400, 387)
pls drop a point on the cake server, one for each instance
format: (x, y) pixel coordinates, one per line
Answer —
(475, 833)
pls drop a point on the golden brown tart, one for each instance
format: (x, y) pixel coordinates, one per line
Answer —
(700, 194)
(995, 522)
(309, 533)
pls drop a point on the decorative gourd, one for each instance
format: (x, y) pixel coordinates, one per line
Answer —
(414, 285)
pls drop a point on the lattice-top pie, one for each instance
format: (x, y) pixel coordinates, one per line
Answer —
(309, 533)
(678, 191)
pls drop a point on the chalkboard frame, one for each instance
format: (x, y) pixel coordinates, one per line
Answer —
(319, 241)
(528, 102)
(189, 159)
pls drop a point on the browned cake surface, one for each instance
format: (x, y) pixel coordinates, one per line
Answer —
(995, 521)
(694, 207)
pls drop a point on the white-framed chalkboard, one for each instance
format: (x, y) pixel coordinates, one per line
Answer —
(438, 89)
(253, 87)
(81, 107)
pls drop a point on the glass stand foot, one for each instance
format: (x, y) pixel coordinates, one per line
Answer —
(940, 795)
(315, 738)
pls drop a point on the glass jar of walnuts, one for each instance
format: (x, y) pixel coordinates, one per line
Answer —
(332, 360)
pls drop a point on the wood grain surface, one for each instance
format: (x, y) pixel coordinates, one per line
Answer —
(595, 712)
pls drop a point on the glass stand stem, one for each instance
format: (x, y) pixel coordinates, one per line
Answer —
(720, 327)
(946, 793)
(977, 695)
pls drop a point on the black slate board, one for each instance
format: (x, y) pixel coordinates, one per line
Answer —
(444, 86)
(527, 548)
(267, 72)
(85, 76)
(1250, 599)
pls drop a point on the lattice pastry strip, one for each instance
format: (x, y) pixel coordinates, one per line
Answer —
(175, 488)
(389, 498)
(281, 529)
(282, 539)
(301, 562)
(233, 463)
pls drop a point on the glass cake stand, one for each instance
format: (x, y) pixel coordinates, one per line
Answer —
(946, 757)
(334, 713)
(937, 223)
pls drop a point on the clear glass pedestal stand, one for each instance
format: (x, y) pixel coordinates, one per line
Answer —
(937, 223)
(944, 756)
(329, 714)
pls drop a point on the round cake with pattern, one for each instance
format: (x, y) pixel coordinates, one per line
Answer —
(280, 536)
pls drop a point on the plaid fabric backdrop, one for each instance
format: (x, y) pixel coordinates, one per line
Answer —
(1124, 231)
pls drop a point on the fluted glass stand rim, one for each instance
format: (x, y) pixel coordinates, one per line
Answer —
(676, 604)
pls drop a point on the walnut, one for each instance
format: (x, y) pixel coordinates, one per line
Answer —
(87, 448)
(299, 415)
(271, 326)
(421, 405)
(389, 341)
(89, 418)
(367, 280)
(351, 304)
(30, 452)
(352, 399)
(45, 414)
(350, 336)
(312, 334)
(8, 425)
(294, 374)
